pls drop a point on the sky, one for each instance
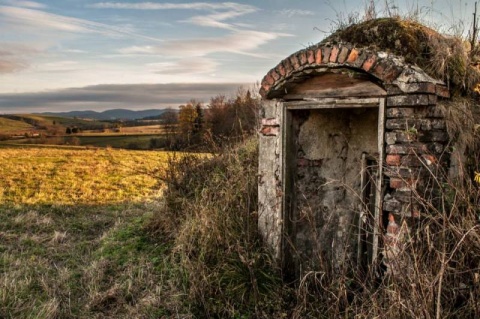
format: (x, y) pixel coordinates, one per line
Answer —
(60, 55)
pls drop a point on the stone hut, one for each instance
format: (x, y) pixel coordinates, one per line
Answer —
(348, 135)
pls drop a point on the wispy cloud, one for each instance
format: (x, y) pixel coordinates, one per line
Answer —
(240, 42)
(26, 4)
(58, 67)
(220, 12)
(296, 12)
(13, 57)
(102, 97)
(12, 65)
(198, 65)
(41, 20)
(171, 6)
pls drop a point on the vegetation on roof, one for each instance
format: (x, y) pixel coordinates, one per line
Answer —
(443, 57)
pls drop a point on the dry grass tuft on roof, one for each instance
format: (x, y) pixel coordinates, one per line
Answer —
(443, 57)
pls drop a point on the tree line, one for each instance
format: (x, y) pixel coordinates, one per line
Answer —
(221, 122)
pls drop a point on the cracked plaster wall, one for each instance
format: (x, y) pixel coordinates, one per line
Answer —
(329, 146)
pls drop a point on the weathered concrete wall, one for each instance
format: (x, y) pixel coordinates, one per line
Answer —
(329, 146)
(270, 175)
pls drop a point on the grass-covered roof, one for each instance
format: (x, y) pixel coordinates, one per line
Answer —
(443, 57)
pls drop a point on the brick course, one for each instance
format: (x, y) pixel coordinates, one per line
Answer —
(387, 68)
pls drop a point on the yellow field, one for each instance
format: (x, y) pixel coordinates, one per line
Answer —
(137, 130)
(53, 175)
(72, 233)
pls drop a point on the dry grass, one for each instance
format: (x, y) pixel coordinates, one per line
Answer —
(143, 129)
(444, 57)
(80, 262)
(197, 254)
(47, 175)
(223, 270)
(72, 238)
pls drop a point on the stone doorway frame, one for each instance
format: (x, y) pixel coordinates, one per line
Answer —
(288, 108)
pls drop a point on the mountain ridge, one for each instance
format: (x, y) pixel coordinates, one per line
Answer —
(113, 114)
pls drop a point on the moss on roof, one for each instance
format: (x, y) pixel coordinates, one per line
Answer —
(443, 57)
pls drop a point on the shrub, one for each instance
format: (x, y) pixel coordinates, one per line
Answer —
(209, 214)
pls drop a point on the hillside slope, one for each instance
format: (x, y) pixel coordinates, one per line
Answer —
(9, 126)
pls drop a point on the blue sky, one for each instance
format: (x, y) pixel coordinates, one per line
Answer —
(76, 55)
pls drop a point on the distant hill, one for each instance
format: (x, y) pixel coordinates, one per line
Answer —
(115, 114)
(13, 126)
(167, 114)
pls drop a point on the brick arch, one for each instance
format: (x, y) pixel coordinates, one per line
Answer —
(396, 76)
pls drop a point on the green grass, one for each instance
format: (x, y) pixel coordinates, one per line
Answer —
(118, 141)
(80, 262)
(125, 141)
(72, 234)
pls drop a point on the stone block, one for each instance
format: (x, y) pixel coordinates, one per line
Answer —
(310, 56)
(401, 172)
(274, 75)
(398, 183)
(360, 59)
(270, 130)
(352, 57)
(386, 70)
(426, 87)
(379, 69)
(393, 160)
(326, 54)
(407, 136)
(408, 100)
(402, 124)
(404, 149)
(397, 112)
(269, 79)
(265, 84)
(270, 122)
(342, 56)
(318, 55)
(281, 70)
(398, 149)
(442, 91)
(392, 89)
(369, 62)
(391, 73)
(435, 112)
(390, 138)
(334, 54)
(288, 66)
(433, 136)
(295, 62)
(302, 57)
(392, 205)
